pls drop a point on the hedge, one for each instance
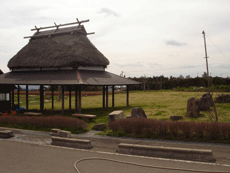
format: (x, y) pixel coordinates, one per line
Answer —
(181, 130)
(26, 122)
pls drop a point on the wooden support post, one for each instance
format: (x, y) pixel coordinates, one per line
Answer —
(127, 92)
(69, 97)
(79, 101)
(52, 88)
(27, 100)
(41, 98)
(113, 96)
(107, 96)
(63, 100)
(18, 95)
(12, 99)
(103, 97)
(76, 98)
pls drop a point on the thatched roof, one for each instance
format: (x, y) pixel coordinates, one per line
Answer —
(59, 48)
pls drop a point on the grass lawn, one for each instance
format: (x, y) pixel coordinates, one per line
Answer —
(156, 104)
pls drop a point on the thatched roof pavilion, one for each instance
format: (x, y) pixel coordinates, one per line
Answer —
(63, 56)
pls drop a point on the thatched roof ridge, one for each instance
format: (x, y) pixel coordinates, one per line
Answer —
(59, 48)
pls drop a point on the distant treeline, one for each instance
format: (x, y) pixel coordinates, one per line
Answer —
(161, 82)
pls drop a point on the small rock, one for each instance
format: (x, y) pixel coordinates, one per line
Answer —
(175, 117)
(100, 127)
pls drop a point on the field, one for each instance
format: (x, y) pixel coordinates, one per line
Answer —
(156, 104)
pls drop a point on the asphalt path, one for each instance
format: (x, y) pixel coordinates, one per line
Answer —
(24, 157)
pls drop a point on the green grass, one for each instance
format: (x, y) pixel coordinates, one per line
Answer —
(156, 104)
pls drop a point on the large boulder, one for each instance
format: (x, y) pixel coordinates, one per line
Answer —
(222, 98)
(138, 113)
(206, 102)
(193, 107)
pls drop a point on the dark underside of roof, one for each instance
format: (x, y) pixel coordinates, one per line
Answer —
(74, 77)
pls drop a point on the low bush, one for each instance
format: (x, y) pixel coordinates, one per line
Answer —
(44, 123)
(180, 130)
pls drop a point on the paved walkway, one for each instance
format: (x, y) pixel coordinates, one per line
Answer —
(110, 144)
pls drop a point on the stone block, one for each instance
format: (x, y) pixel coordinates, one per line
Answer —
(115, 115)
(65, 134)
(6, 134)
(55, 132)
(71, 142)
(167, 152)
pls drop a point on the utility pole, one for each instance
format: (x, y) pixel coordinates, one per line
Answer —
(206, 56)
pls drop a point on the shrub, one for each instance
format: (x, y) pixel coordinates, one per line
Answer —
(162, 128)
(201, 131)
(213, 131)
(186, 129)
(44, 122)
(225, 130)
(173, 129)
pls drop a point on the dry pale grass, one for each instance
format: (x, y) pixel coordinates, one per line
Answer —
(156, 104)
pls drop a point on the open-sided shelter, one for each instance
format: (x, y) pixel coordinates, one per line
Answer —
(62, 55)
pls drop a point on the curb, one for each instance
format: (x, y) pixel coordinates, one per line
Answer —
(6, 133)
(71, 142)
(167, 152)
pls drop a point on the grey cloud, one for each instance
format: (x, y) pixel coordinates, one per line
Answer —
(175, 43)
(108, 12)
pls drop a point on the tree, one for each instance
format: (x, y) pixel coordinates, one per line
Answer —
(188, 77)
(204, 75)
(181, 77)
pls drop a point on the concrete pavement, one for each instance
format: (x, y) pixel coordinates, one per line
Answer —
(30, 151)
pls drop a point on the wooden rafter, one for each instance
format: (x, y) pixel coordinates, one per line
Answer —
(57, 26)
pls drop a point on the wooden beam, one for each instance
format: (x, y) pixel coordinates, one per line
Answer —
(90, 33)
(27, 100)
(113, 96)
(69, 97)
(63, 100)
(41, 98)
(48, 27)
(52, 88)
(107, 96)
(127, 92)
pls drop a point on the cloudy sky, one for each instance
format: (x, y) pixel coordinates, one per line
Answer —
(148, 37)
